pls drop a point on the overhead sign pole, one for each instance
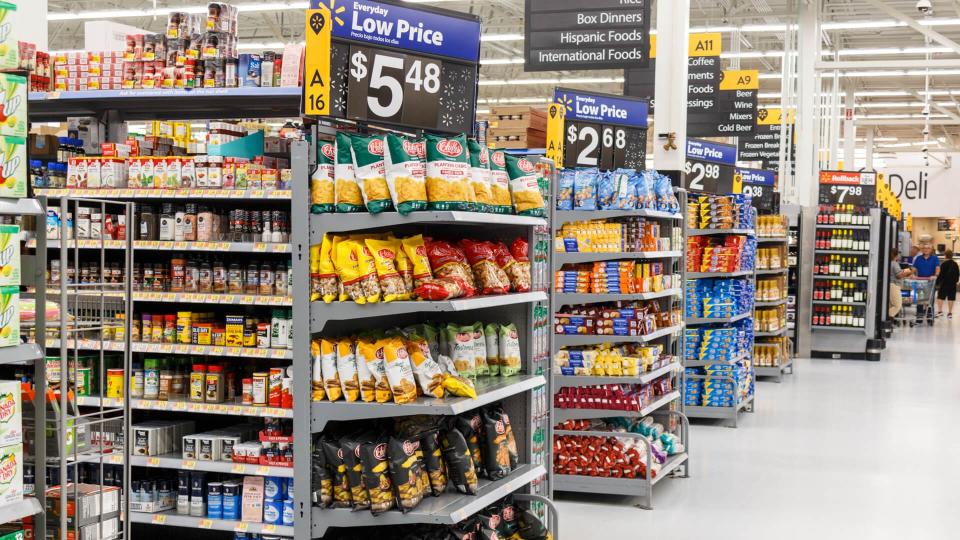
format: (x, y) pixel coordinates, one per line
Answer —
(670, 115)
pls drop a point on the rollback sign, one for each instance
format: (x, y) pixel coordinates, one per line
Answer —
(602, 130)
(848, 187)
(396, 65)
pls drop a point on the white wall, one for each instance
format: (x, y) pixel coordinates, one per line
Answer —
(107, 35)
(932, 191)
(31, 21)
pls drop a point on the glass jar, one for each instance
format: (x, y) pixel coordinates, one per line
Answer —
(205, 277)
(191, 276)
(190, 223)
(266, 279)
(252, 283)
(235, 283)
(219, 277)
(177, 273)
(205, 225)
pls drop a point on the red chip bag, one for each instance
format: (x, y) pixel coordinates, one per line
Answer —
(443, 288)
(447, 260)
(490, 278)
(520, 250)
(518, 280)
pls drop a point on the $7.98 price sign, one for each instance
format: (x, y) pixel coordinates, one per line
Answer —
(393, 87)
(848, 187)
(840, 193)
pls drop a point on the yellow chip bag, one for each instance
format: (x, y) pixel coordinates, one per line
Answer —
(429, 376)
(480, 175)
(369, 284)
(500, 183)
(322, 198)
(399, 371)
(317, 392)
(347, 368)
(328, 369)
(448, 173)
(327, 285)
(385, 255)
(371, 174)
(405, 269)
(347, 193)
(366, 351)
(406, 174)
(416, 250)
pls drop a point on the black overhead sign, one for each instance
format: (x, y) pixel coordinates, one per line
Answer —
(572, 34)
(764, 144)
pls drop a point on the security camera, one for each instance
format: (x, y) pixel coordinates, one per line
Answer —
(926, 110)
(925, 150)
(925, 131)
(925, 7)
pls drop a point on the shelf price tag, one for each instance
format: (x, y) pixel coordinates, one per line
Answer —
(205, 524)
(238, 468)
(316, 88)
(158, 519)
(241, 527)
(189, 464)
(153, 462)
(269, 528)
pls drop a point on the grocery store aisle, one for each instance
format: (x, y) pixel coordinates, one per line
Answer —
(841, 449)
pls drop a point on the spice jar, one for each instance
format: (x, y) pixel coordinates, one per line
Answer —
(219, 277)
(190, 223)
(178, 226)
(266, 279)
(205, 278)
(177, 273)
(280, 279)
(161, 278)
(214, 387)
(151, 379)
(169, 329)
(252, 283)
(214, 172)
(247, 391)
(184, 327)
(235, 279)
(168, 222)
(146, 333)
(205, 224)
(198, 381)
(149, 223)
(191, 277)
(136, 381)
(166, 383)
(156, 336)
(178, 389)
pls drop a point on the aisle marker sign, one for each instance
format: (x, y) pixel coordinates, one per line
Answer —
(316, 88)
(711, 168)
(556, 113)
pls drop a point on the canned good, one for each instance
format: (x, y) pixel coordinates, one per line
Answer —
(275, 388)
(259, 388)
(115, 379)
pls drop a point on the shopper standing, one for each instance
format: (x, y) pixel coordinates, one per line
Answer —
(897, 275)
(914, 251)
(947, 284)
(926, 265)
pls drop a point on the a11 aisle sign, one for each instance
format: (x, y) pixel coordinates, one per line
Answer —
(761, 186)
(394, 65)
(848, 187)
(711, 168)
(602, 130)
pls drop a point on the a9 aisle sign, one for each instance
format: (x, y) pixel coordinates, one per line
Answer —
(595, 145)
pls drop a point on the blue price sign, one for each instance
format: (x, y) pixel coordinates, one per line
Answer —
(761, 186)
(603, 108)
(711, 167)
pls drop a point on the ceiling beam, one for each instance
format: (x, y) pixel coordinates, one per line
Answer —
(933, 63)
(907, 122)
(909, 21)
(941, 108)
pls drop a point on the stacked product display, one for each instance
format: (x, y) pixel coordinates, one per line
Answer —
(616, 311)
(720, 295)
(772, 351)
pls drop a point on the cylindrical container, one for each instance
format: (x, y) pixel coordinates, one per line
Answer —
(198, 379)
(288, 512)
(280, 280)
(273, 488)
(266, 279)
(183, 493)
(178, 224)
(115, 379)
(277, 334)
(184, 327)
(289, 492)
(170, 329)
(151, 378)
(136, 381)
(205, 224)
(231, 501)
(272, 511)
(215, 500)
(157, 329)
(214, 388)
(259, 388)
(275, 389)
(178, 269)
(286, 396)
(191, 276)
(190, 223)
(146, 332)
(166, 384)
(168, 222)
(247, 391)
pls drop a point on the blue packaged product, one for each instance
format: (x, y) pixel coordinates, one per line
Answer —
(606, 191)
(565, 189)
(288, 513)
(288, 488)
(215, 500)
(231, 501)
(272, 512)
(273, 487)
(249, 69)
(585, 189)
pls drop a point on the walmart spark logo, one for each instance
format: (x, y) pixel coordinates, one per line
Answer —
(567, 103)
(336, 11)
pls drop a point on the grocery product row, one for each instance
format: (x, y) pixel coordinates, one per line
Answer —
(720, 212)
(590, 189)
(843, 214)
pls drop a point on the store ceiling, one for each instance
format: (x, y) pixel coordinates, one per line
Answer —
(856, 29)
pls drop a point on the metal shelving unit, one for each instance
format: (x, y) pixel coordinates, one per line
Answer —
(153, 245)
(522, 396)
(772, 271)
(667, 404)
(778, 370)
(172, 519)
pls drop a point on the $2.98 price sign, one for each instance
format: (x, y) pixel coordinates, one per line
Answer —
(393, 87)
(604, 146)
(843, 187)
(704, 176)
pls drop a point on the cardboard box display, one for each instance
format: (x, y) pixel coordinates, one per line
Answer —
(13, 105)
(11, 413)
(13, 166)
(11, 473)
(9, 255)
(9, 37)
(85, 507)
(9, 316)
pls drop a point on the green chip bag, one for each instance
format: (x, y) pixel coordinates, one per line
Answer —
(406, 174)
(448, 173)
(525, 187)
(480, 175)
(500, 183)
(371, 173)
(347, 193)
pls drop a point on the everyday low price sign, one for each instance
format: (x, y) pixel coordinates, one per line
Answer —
(761, 186)
(604, 131)
(711, 167)
(379, 62)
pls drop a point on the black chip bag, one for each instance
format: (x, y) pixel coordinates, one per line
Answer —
(471, 426)
(460, 465)
(423, 476)
(350, 446)
(511, 440)
(405, 471)
(375, 466)
(497, 463)
(433, 462)
(531, 528)
(467, 529)
(508, 520)
(322, 481)
(341, 485)
(490, 517)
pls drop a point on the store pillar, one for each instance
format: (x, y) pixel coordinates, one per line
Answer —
(849, 131)
(670, 116)
(807, 114)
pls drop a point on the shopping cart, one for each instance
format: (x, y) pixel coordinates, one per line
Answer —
(922, 297)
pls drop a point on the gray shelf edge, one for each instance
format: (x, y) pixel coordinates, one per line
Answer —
(769, 303)
(723, 320)
(838, 329)
(708, 275)
(711, 232)
(773, 239)
(172, 519)
(773, 271)
(835, 226)
(588, 298)
(697, 411)
(18, 354)
(584, 257)
(593, 339)
(561, 381)
(841, 252)
(776, 333)
(841, 278)
(837, 302)
(566, 216)
(169, 462)
(561, 415)
(322, 223)
(20, 207)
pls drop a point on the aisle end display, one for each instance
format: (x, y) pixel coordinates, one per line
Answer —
(772, 352)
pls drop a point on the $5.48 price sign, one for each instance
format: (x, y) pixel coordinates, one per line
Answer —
(393, 87)
(603, 146)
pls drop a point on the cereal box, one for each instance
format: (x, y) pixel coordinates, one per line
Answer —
(9, 255)
(13, 166)
(9, 316)
(11, 473)
(13, 105)
(9, 38)
(11, 418)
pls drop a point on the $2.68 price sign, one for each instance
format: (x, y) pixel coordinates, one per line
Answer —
(393, 87)
(603, 146)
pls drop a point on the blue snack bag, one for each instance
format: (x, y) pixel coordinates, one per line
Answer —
(565, 189)
(626, 197)
(646, 198)
(666, 199)
(606, 191)
(585, 189)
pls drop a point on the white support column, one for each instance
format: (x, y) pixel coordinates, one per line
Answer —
(849, 132)
(670, 116)
(30, 22)
(871, 133)
(807, 129)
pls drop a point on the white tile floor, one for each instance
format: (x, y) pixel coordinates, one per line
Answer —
(839, 450)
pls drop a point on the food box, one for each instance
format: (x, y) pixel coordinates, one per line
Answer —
(13, 105)
(9, 316)
(9, 255)
(12, 535)
(11, 473)
(13, 166)
(11, 413)
(9, 37)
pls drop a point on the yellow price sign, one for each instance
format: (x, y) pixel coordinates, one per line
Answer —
(159, 519)
(705, 44)
(556, 112)
(205, 524)
(316, 87)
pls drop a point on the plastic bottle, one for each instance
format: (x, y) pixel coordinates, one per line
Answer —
(151, 378)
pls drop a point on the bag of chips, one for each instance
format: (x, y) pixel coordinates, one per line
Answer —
(453, 382)
(375, 466)
(490, 278)
(448, 173)
(471, 426)
(347, 369)
(447, 288)
(519, 281)
(489, 517)
(525, 187)
(460, 465)
(433, 462)
(348, 197)
(328, 287)
(406, 174)
(666, 198)
(500, 183)
(585, 189)
(377, 366)
(370, 172)
(399, 372)
(606, 191)
(415, 248)
(531, 528)
(460, 344)
(322, 199)
(338, 470)
(492, 340)
(385, 257)
(646, 192)
(350, 453)
(355, 285)
(429, 376)
(480, 352)
(497, 462)
(405, 269)
(321, 480)
(366, 352)
(520, 250)
(625, 197)
(317, 392)
(509, 341)
(405, 472)
(328, 368)
(508, 519)
(480, 175)
(447, 260)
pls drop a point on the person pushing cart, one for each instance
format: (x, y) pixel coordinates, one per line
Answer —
(926, 267)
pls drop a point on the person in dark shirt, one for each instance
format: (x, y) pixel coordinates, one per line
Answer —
(947, 283)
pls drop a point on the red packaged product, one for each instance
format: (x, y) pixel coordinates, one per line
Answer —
(447, 260)
(519, 280)
(490, 278)
(443, 288)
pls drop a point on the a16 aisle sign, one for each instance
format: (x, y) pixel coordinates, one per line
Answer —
(761, 186)
(848, 187)
(602, 130)
(379, 62)
(711, 167)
